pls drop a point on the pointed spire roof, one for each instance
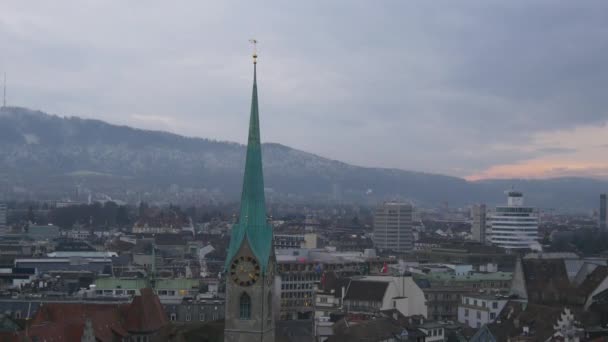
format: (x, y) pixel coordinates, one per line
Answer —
(253, 225)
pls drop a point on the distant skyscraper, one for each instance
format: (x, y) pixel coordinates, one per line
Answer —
(478, 228)
(393, 227)
(2, 214)
(603, 212)
(514, 226)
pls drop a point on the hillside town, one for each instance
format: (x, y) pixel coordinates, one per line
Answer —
(121, 241)
(158, 275)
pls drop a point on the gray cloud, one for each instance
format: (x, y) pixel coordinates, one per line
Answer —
(430, 86)
(555, 150)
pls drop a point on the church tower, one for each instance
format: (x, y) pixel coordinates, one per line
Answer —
(250, 262)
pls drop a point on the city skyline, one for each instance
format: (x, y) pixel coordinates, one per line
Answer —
(477, 91)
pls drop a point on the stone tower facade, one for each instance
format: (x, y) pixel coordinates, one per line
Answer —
(250, 261)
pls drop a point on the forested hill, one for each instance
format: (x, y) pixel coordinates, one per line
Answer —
(45, 155)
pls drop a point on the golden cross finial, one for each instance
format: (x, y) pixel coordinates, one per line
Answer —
(255, 50)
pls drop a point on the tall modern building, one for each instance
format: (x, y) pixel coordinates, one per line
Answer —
(603, 212)
(251, 261)
(514, 226)
(393, 227)
(3, 214)
(478, 228)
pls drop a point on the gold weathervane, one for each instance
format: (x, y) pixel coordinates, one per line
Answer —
(255, 50)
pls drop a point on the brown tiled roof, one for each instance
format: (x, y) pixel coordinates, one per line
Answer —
(145, 314)
(65, 322)
(546, 280)
(593, 280)
(169, 240)
(118, 245)
(366, 290)
(540, 319)
(375, 330)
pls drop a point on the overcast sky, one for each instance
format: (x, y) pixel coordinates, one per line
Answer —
(478, 89)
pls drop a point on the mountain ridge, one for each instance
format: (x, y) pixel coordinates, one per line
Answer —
(48, 155)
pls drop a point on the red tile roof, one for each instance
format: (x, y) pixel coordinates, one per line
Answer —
(145, 314)
(61, 322)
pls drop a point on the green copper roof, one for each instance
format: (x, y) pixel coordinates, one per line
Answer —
(161, 284)
(253, 224)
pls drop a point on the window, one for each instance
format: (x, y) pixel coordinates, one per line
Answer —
(245, 306)
(323, 299)
(188, 317)
(483, 304)
(201, 317)
(495, 305)
(492, 315)
(478, 314)
(173, 317)
(478, 325)
(466, 312)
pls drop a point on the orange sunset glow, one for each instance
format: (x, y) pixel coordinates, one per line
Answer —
(543, 169)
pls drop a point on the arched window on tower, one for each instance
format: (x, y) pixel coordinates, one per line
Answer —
(245, 306)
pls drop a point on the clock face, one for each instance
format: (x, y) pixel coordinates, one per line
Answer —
(244, 271)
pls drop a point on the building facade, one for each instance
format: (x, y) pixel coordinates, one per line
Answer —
(372, 294)
(192, 311)
(603, 224)
(296, 240)
(477, 310)
(478, 228)
(3, 215)
(515, 226)
(444, 290)
(250, 260)
(167, 290)
(300, 270)
(393, 227)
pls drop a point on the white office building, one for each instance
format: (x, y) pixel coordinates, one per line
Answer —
(393, 227)
(514, 226)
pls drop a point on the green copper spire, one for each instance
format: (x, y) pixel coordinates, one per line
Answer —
(253, 225)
